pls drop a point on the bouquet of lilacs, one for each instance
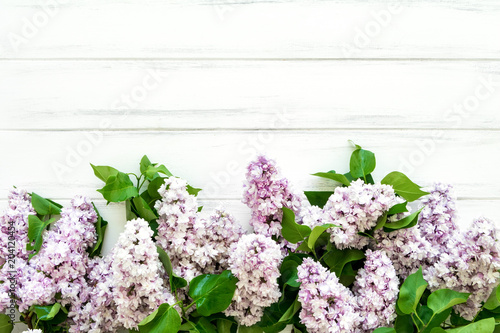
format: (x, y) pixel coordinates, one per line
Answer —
(364, 257)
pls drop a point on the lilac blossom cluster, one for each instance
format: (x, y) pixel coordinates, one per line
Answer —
(255, 261)
(138, 286)
(470, 265)
(14, 230)
(327, 305)
(357, 208)
(195, 245)
(266, 193)
(376, 288)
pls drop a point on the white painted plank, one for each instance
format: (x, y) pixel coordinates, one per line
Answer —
(58, 162)
(241, 29)
(248, 94)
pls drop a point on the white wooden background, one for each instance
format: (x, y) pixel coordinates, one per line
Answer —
(203, 85)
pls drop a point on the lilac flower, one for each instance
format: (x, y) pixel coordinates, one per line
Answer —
(33, 287)
(356, 209)
(376, 288)
(327, 305)
(436, 221)
(406, 248)
(266, 193)
(255, 261)
(14, 222)
(138, 288)
(470, 265)
(195, 245)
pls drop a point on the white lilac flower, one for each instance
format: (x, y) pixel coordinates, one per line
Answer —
(376, 288)
(356, 208)
(470, 265)
(255, 261)
(327, 305)
(437, 219)
(266, 193)
(136, 275)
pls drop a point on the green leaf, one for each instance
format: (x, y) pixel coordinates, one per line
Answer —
(288, 271)
(212, 292)
(251, 329)
(118, 188)
(398, 208)
(103, 172)
(385, 330)
(493, 301)
(6, 325)
(100, 228)
(318, 198)
(154, 186)
(193, 190)
(35, 233)
(334, 176)
(224, 326)
(153, 170)
(443, 299)
(482, 326)
(292, 231)
(381, 221)
(145, 162)
(431, 319)
(165, 319)
(143, 209)
(45, 206)
(284, 320)
(403, 186)
(47, 312)
(316, 233)
(175, 281)
(337, 259)
(362, 163)
(411, 291)
(204, 326)
(407, 222)
(404, 324)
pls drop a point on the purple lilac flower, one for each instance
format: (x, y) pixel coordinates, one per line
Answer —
(327, 305)
(195, 245)
(255, 261)
(13, 229)
(470, 265)
(376, 288)
(437, 219)
(266, 193)
(356, 208)
(138, 287)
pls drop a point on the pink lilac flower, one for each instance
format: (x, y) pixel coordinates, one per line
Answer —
(266, 193)
(138, 287)
(327, 305)
(255, 261)
(470, 265)
(195, 245)
(356, 208)
(437, 219)
(376, 288)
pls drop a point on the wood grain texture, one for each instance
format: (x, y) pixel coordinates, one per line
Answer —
(57, 162)
(190, 95)
(247, 29)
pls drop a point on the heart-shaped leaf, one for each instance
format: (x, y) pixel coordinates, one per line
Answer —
(362, 163)
(411, 291)
(103, 172)
(444, 299)
(45, 206)
(165, 319)
(118, 188)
